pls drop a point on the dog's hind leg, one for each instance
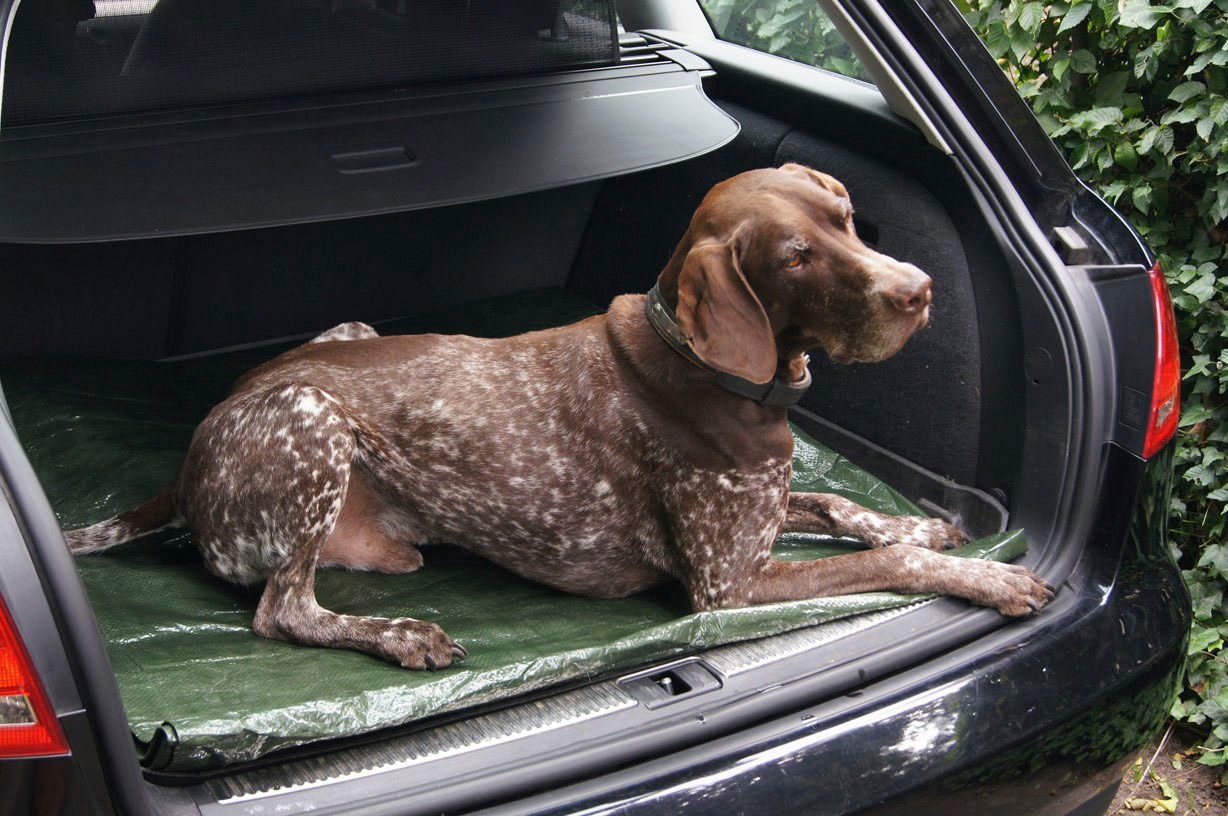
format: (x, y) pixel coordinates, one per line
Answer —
(288, 611)
(369, 534)
(263, 487)
(829, 514)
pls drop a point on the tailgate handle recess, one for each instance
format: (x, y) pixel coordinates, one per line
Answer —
(671, 684)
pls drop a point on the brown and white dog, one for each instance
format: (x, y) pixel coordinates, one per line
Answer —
(594, 457)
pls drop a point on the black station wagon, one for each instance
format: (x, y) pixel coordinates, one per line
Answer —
(188, 187)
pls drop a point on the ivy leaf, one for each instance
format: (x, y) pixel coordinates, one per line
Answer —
(1216, 556)
(1202, 289)
(1201, 365)
(1202, 640)
(1199, 475)
(1077, 14)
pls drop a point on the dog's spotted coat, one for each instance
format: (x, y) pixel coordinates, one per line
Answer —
(590, 457)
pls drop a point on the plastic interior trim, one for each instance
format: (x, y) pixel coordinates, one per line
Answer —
(893, 90)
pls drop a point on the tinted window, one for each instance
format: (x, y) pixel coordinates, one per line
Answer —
(796, 29)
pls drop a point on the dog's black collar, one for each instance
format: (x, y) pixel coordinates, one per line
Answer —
(777, 391)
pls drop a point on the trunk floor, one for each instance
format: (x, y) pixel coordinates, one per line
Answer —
(202, 692)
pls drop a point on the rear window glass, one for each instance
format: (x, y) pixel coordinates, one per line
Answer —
(795, 29)
(79, 58)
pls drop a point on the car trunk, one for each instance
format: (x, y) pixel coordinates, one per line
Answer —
(125, 344)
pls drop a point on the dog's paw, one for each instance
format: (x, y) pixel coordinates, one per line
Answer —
(938, 535)
(1013, 590)
(914, 531)
(415, 644)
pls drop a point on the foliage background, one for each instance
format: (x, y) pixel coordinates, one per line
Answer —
(1136, 95)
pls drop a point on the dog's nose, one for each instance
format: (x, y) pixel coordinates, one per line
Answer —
(912, 293)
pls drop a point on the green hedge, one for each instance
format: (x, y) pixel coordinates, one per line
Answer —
(1136, 95)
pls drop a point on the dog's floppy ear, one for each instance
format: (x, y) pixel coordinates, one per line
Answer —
(721, 317)
(829, 183)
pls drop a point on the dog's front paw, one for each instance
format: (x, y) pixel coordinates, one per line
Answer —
(913, 531)
(936, 534)
(1013, 590)
(416, 644)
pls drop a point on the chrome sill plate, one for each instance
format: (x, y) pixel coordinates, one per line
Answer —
(506, 735)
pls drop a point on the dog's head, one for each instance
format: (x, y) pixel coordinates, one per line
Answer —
(771, 266)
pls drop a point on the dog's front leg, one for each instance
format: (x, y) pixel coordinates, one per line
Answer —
(829, 514)
(727, 552)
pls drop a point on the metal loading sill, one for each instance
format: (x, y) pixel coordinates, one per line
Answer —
(202, 692)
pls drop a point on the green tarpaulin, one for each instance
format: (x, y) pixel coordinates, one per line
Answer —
(104, 436)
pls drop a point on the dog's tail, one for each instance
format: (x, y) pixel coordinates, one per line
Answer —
(155, 514)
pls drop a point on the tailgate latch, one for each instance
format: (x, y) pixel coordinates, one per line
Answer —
(666, 685)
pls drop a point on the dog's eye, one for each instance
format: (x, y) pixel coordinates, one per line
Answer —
(795, 261)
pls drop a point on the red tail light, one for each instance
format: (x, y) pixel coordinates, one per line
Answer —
(28, 726)
(1166, 385)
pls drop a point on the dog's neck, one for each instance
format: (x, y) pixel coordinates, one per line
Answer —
(786, 389)
(791, 357)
